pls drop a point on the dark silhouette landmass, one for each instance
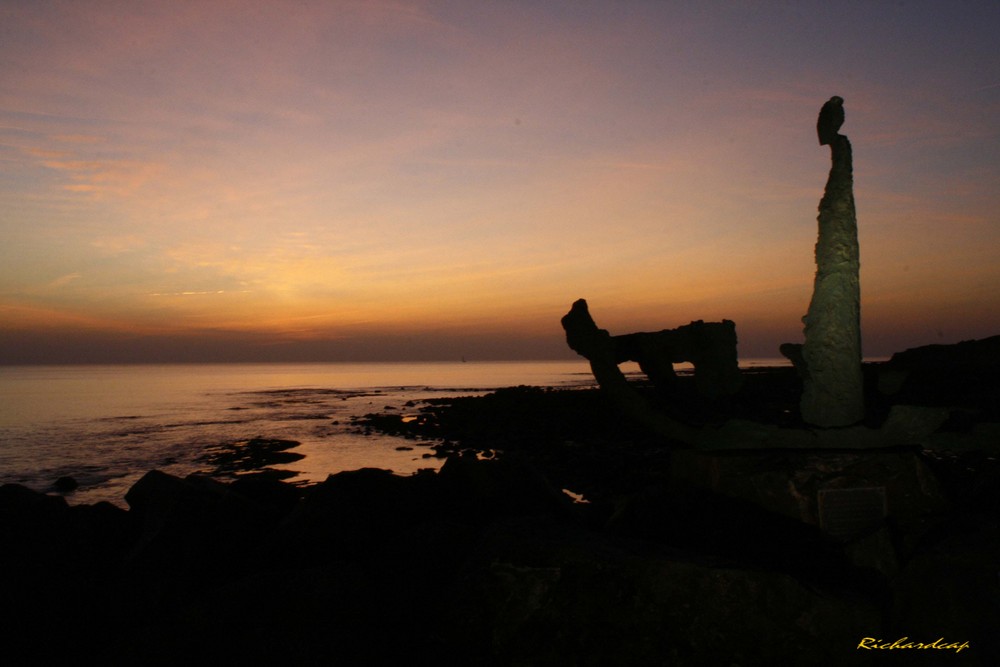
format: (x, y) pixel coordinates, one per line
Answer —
(677, 556)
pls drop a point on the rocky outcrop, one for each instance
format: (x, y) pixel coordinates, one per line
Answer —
(253, 456)
(543, 594)
(962, 373)
(830, 358)
(776, 555)
(483, 563)
(969, 356)
(792, 482)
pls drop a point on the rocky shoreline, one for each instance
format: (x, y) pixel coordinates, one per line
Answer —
(554, 534)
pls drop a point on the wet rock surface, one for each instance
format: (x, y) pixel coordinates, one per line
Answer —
(253, 456)
(674, 557)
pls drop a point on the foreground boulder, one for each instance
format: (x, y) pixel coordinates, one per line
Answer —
(541, 594)
(484, 563)
(792, 482)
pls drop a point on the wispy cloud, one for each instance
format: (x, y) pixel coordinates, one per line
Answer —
(62, 281)
(199, 292)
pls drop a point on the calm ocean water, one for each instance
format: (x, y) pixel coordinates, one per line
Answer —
(107, 425)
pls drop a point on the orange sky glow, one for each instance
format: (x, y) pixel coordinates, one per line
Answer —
(297, 180)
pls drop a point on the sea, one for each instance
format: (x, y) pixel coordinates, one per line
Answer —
(107, 425)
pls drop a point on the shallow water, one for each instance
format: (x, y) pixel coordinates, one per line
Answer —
(107, 425)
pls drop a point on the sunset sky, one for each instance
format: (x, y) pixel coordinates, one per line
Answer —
(296, 180)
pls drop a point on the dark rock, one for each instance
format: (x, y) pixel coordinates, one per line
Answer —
(964, 374)
(248, 455)
(20, 503)
(874, 550)
(952, 590)
(970, 356)
(483, 490)
(793, 352)
(158, 494)
(789, 481)
(971, 477)
(349, 516)
(308, 616)
(734, 531)
(267, 491)
(66, 484)
(53, 559)
(540, 593)
(33, 529)
(913, 425)
(195, 527)
(682, 558)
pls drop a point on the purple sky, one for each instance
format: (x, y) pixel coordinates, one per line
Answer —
(427, 180)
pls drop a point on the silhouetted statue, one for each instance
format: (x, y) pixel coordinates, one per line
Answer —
(709, 346)
(831, 117)
(830, 359)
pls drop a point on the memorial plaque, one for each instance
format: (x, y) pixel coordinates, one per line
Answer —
(845, 513)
